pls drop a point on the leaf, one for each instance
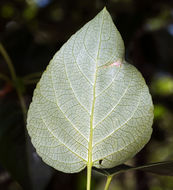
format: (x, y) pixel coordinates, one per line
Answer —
(161, 168)
(90, 106)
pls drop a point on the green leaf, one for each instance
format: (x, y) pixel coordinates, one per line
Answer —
(161, 168)
(90, 106)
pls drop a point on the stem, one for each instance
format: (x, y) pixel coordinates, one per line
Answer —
(4, 77)
(22, 104)
(33, 75)
(8, 61)
(89, 168)
(32, 78)
(14, 78)
(33, 81)
(109, 178)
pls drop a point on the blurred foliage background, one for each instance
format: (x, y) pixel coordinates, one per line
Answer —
(31, 31)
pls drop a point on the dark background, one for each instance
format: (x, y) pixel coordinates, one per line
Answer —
(32, 31)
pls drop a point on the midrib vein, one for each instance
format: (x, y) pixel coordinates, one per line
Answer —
(90, 162)
(91, 122)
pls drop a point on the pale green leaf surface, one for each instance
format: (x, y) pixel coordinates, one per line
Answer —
(83, 106)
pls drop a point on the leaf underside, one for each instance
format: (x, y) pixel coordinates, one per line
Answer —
(87, 106)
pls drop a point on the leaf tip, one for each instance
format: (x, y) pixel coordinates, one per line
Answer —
(105, 9)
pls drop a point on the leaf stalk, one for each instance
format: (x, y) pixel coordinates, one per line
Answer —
(14, 79)
(8, 61)
(89, 170)
(108, 181)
